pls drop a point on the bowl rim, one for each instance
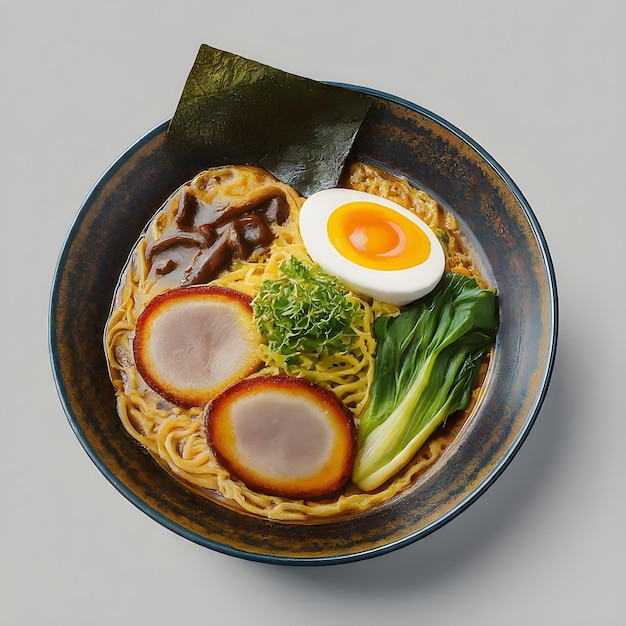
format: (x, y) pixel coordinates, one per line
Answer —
(499, 467)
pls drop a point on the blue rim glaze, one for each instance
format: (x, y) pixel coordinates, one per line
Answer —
(316, 560)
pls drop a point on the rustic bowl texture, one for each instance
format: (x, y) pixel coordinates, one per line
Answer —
(406, 139)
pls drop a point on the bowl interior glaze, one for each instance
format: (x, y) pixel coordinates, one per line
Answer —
(405, 139)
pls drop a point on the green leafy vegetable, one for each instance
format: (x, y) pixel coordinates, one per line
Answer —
(304, 311)
(427, 361)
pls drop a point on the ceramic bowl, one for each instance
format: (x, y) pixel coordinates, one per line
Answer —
(406, 139)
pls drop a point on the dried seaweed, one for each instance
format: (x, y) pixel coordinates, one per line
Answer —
(236, 111)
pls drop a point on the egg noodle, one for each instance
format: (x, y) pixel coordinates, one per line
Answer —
(175, 436)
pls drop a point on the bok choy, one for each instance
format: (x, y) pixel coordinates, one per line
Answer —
(428, 358)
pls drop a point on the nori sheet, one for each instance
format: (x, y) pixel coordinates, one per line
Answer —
(235, 111)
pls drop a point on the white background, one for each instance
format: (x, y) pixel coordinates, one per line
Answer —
(541, 86)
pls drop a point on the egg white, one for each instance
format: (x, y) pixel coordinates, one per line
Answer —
(397, 287)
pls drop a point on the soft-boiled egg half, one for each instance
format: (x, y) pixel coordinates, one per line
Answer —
(372, 245)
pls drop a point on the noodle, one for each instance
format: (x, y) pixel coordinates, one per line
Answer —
(175, 436)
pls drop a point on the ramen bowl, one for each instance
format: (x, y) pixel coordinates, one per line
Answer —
(511, 253)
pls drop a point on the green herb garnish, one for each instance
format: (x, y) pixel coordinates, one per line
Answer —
(304, 312)
(427, 360)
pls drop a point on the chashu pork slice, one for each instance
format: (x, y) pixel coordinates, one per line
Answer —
(282, 436)
(192, 342)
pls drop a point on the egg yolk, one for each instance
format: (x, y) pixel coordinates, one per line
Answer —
(377, 237)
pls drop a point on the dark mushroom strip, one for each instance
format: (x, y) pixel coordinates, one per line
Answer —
(276, 209)
(208, 232)
(187, 209)
(238, 246)
(261, 200)
(254, 233)
(216, 213)
(210, 262)
(185, 240)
